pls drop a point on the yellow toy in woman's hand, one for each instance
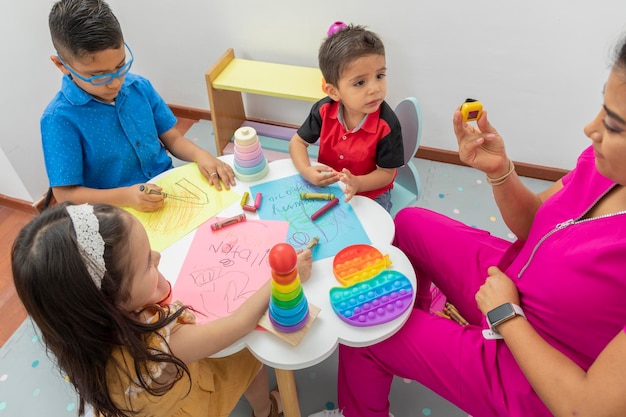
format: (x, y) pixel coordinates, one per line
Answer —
(471, 110)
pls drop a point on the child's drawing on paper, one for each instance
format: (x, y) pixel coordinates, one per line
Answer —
(224, 267)
(336, 229)
(189, 202)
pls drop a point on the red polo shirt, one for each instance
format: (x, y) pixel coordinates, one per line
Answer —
(377, 141)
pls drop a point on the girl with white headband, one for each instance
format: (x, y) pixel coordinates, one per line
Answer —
(89, 280)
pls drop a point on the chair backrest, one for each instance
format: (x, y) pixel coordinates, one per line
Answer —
(408, 186)
(410, 115)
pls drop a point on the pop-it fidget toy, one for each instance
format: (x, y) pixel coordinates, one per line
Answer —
(356, 263)
(374, 301)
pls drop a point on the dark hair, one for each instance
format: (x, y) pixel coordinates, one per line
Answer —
(620, 55)
(80, 324)
(83, 27)
(343, 47)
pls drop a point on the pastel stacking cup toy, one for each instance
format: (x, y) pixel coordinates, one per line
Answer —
(289, 308)
(250, 163)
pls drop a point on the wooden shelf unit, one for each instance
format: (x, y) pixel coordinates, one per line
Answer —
(229, 77)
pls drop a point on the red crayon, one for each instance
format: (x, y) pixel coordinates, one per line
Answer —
(325, 208)
(257, 200)
(227, 222)
(249, 208)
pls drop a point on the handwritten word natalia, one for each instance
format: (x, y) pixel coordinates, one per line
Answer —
(236, 253)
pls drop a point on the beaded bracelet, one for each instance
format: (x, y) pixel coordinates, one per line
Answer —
(502, 179)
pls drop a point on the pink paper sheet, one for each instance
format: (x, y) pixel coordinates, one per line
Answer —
(225, 267)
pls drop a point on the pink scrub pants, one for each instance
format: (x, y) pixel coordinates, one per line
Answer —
(477, 375)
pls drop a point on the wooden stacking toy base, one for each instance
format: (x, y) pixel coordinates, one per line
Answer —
(292, 338)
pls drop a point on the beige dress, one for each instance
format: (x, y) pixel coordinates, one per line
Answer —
(215, 388)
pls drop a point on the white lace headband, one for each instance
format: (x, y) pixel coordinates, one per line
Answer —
(89, 240)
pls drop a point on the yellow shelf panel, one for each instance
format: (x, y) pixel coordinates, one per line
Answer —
(271, 79)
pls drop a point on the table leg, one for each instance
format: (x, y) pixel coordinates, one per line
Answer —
(288, 392)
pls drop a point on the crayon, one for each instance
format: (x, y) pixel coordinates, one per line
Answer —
(249, 208)
(332, 203)
(314, 241)
(148, 190)
(227, 222)
(442, 314)
(257, 200)
(317, 196)
(454, 314)
(244, 199)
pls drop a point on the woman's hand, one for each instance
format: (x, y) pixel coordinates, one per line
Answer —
(497, 290)
(481, 146)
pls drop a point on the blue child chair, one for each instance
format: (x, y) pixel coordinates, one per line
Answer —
(408, 186)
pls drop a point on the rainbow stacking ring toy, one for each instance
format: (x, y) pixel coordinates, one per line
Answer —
(250, 164)
(288, 309)
(372, 294)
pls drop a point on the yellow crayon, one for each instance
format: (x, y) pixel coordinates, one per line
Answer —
(317, 196)
(244, 199)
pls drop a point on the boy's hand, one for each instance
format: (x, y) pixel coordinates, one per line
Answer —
(216, 171)
(148, 198)
(351, 182)
(320, 175)
(304, 264)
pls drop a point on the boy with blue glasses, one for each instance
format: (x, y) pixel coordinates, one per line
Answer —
(107, 131)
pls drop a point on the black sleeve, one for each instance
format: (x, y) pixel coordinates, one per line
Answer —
(390, 149)
(312, 126)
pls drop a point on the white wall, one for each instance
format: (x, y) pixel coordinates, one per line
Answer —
(10, 182)
(538, 66)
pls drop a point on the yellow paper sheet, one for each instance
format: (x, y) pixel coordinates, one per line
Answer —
(191, 202)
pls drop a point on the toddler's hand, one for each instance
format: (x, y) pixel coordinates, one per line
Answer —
(321, 175)
(351, 182)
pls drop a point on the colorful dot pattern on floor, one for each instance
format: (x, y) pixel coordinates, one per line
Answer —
(30, 383)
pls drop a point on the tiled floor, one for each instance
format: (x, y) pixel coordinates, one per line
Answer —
(31, 386)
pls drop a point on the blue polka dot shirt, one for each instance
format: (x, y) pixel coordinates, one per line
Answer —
(101, 145)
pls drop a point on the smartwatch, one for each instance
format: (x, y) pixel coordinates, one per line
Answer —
(503, 313)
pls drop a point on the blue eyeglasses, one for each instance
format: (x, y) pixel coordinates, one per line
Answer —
(102, 79)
